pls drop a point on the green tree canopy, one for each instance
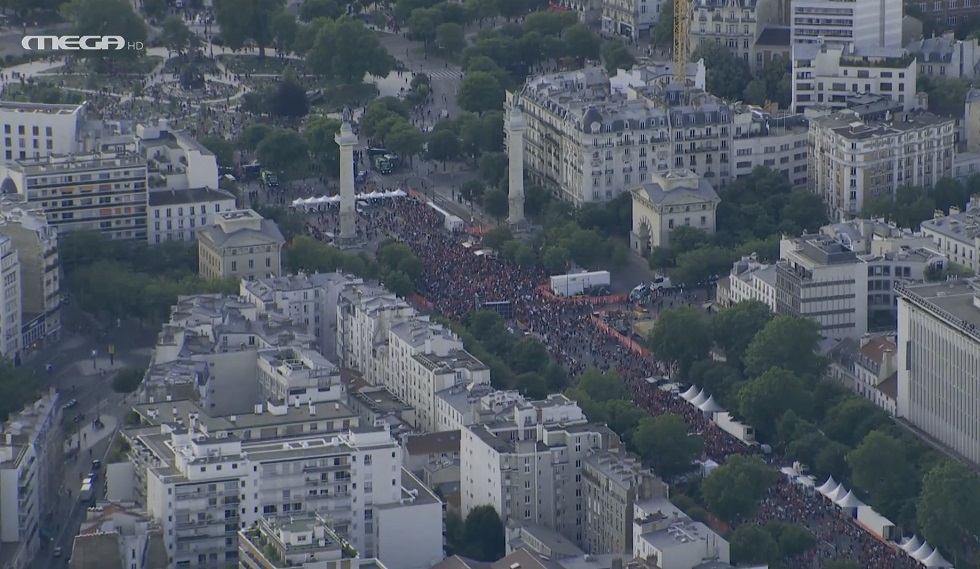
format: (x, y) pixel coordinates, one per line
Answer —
(483, 535)
(734, 489)
(788, 343)
(733, 328)
(665, 443)
(246, 21)
(681, 337)
(480, 92)
(763, 400)
(106, 18)
(947, 507)
(345, 50)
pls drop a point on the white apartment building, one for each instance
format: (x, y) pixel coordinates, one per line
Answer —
(529, 468)
(668, 201)
(632, 19)
(614, 482)
(778, 142)
(31, 453)
(174, 159)
(37, 130)
(736, 24)
(118, 534)
(298, 377)
(826, 74)
(939, 361)
(464, 405)
(957, 235)
(11, 298)
(311, 300)
(303, 541)
(946, 57)
(749, 280)
(865, 22)
(364, 317)
(91, 192)
(868, 367)
(589, 141)
(649, 73)
(852, 162)
(175, 215)
(203, 489)
(668, 537)
(36, 243)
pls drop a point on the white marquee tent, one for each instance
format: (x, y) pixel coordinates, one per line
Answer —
(923, 552)
(827, 487)
(936, 560)
(323, 200)
(911, 544)
(691, 393)
(699, 399)
(710, 405)
(836, 493)
(849, 501)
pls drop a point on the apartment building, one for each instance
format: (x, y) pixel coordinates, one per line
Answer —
(203, 489)
(668, 537)
(365, 315)
(876, 23)
(174, 159)
(90, 192)
(736, 24)
(240, 244)
(673, 199)
(529, 468)
(776, 141)
(957, 235)
(949, 12)
(774, 41)
(31, 452)
(461, 406)
(36, 243)
(37, 130)
(631, 19)
(939, 359)
(846, 291)
(298, 377)
(826, 74)
(590, 142)
(946, 57)
(175, 215)
(749, 280)
(11, 299)
(311, 300)
(613, 482)
(853, 162)
(868, 367)
(119, 535)
(305, 541)
(650, 72)
(434, 459)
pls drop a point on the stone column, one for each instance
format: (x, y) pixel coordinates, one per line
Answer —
(346, 139)
(516, 127)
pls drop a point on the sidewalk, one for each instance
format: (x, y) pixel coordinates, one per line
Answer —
(89, 436)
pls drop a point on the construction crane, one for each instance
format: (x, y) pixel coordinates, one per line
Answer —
(682, 25)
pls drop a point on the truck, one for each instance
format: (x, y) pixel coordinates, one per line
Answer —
(87, 494)
(270, 179)
(383, 160)
(660, 284)
(580, 283)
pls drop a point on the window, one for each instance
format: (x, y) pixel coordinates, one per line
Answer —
(367, 459)
(234, 265)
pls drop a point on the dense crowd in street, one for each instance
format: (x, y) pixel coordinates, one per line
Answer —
(456, 281)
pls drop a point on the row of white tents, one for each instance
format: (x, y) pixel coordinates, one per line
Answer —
(703, 401)
(846, 500)
(325, 200)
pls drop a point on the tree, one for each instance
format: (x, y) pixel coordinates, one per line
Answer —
(528, 354)
(600, 386)
(176, 36)
(685, 238)
(345, 50)
(18, 388)
(763, 400)
(422, 25)
(241, 21)
(702, 265)
(532, 385)
(789, 343)
(555, 259)
(664, 441)
(313, 9)
(850, 420)
(319, 134)
(472, 190)
(252, 136)
(288, 99)
(483, 535)
(398, 283)
(154, 9)
(128, 380)
(223, 150)
(616, 56)
(405, 140)
(451, 37)
(751, 544)
(727, 75)
(511, 8)
(480, 92)
(443, 146)
(681, 337)
(497, 236)
(493, 168)
(733, 328)
(284, 151)
(290, 222)
(106, 18)
(881, 468)
(947, 95)
(734, 489)
(496, 203)
(284, 30)
(581, 43)
(948, 504)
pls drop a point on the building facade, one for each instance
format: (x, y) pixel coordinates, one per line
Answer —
(854, 162)
(957, 235)
(11, 299)
(629, 18)
(613, 482)
(865, 22)
(736, 24)
(868, 367)
(946, 57)
(91, 192)
(305, 541)
(174, 159)
(749, 280)
(827, 74)
(37, 130)
(36, 243)
(175, 215)
(240, 244)
(776, 141)
(939, 359)
(671, 200)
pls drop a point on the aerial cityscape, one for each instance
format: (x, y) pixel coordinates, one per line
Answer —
(489, 284)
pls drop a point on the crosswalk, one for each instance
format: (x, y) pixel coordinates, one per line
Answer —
(445, 74)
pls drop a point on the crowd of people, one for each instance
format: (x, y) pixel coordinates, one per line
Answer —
(456, 281)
